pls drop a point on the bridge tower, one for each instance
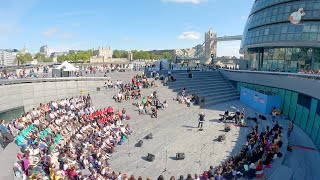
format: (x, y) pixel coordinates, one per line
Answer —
(210, 46)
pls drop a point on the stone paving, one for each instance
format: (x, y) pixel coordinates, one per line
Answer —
(175, 130)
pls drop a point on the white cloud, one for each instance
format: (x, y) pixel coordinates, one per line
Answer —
(50, 32)
(190, 35)
(185, 1)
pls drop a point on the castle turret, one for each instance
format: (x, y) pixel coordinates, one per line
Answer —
(210, 45)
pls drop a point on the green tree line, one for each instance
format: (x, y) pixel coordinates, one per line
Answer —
(84, 56)
(24, 58)
(76, 56)
(141, 55)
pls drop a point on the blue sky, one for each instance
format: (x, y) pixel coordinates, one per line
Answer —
(122, 24)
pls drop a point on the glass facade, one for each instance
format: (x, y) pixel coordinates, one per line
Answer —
(303, 110)
(271, 42)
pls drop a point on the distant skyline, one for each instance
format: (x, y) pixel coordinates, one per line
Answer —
(122, 24)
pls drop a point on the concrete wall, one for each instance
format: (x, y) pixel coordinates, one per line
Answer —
(30, 95)
(279, 80)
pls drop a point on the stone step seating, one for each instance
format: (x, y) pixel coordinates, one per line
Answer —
(181, 82)
(201, 85)
(210, 85)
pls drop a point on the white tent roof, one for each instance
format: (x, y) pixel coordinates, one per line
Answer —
(67, 67)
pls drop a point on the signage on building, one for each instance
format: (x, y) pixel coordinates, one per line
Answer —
(296, 17)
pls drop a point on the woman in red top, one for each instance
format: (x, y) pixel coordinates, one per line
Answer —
(259, 169)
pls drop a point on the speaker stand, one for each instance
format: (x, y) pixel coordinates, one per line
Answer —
(165, 167)
(199, 162)
(213, 152)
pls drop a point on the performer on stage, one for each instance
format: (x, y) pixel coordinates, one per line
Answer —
(201, 120)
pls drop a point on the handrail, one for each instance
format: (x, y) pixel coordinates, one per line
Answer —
(316, 76)
(59, 79)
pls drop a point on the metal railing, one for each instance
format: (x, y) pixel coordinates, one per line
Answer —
(59, 79)
(300, 75)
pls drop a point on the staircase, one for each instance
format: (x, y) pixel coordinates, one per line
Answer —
(210, 85)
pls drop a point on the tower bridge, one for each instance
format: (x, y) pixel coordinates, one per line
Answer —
(207, 51)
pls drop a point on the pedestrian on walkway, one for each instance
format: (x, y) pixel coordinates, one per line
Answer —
(202, 100)
(201, 120)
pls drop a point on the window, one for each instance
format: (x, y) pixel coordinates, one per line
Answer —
(318, 108)
(297, 37)
(284, 29)
(290, 37)
(291, 29)
(298, 29)
(304, 100)
(305, 36)
(314, 28)
(313, 36)
(306, 28)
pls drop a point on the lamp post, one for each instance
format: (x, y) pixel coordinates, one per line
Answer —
(18, 56)
(212, 57)
(75, 57)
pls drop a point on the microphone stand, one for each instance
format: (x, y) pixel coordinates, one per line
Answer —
(165, 168)
(201, 155)
(129, 153)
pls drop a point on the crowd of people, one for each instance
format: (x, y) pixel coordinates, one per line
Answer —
(130, 90)
(63, 138)
(309, 72)
(256, 156)
(150, 105)
(18, 74)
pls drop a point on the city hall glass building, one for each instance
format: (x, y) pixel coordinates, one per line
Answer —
(283, 35)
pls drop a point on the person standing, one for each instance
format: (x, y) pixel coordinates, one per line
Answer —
(201, 120)
(202, 100)
(290, 129)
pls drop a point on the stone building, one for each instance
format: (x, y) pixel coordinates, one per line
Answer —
(210, 46)
(107, 53)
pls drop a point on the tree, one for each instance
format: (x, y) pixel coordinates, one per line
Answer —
(24, 58)
(135, 54)
(76, 56)
(61, 58)
(117, 54)
(124, 54)
(167, 55)
(40, 57)
(47, 60)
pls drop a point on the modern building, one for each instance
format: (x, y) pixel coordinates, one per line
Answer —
(7, 57)
(45, 50)
(283, 35)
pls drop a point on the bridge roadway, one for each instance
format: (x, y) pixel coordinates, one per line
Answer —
(219, 39)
